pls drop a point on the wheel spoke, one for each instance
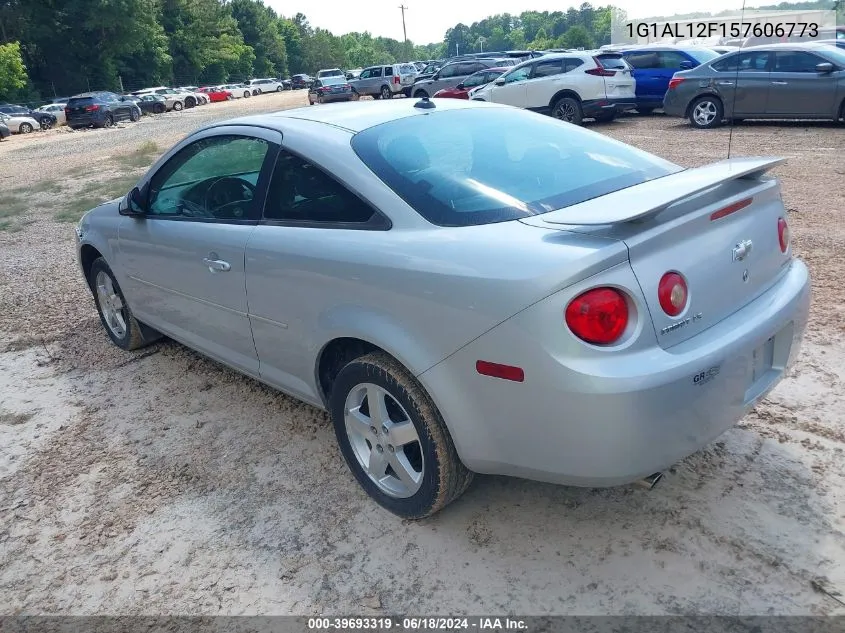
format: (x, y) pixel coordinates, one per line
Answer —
(357, 422)
(377, 464)
(377, 406)
(402, 433)
(404, 471)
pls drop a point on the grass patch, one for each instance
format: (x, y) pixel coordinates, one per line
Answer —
(142, 156)
(110, 189)
(47, 186)
(76, 209)
(10, 208)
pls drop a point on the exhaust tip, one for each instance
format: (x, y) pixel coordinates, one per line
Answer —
(649, 482)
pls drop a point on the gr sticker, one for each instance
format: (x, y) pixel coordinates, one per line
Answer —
(706, 376)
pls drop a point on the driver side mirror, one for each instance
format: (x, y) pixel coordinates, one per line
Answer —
(460, 86)
(135, 203)
(825, 67)
(686, 65)
(500, 81)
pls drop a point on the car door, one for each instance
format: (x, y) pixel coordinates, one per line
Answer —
(668, 62)
(373, 84)
(798, 89)
(184, 258)
(545, 80)
(295, 270)
(742, 82)
(647, 71)
(514, 91)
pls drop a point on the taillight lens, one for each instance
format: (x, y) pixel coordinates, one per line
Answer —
(598, 316)
(672, 293)
(674, 82)
(396, 79)
(92, 108)
(783, 234)
(601, 72)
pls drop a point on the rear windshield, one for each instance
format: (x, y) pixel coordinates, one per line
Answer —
(484, 165)
(612, 62)
(701, 55)
(78, 101)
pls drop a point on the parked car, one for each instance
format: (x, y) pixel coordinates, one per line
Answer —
(354, 73)
(591, 356)
(19, 124)
(331, 88)
(475, 80)
(722, 49)
(385, 81)
(286, 84)
(266, 85)
(429, 70)
(5, 132)
(453, 73)
(569, 86)
(99, 109)
(55, 109)
(239, 91)
(200, 96)
(654, 66)
(187, 99)
(778, 81)
(45, 120)
(152, 104)
(839, 43)
(300, 81)
(215, 94)
(330, 72)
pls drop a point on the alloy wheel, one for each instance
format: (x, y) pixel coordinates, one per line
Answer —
(384, 440)
(111, 305)
(704, 113)
(565, 111)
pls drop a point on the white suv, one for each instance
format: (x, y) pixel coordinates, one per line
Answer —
(569, 86)
(267, 85)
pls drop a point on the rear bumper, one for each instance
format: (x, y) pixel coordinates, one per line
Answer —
(604, 106)
(341, 97)
(595, 420)
(674, 104)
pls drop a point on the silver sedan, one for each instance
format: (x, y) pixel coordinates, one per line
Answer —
(465, 287)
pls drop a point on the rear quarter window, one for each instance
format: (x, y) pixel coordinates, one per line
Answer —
(485, 165)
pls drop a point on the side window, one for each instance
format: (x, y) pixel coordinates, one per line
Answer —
(301, 192)
(670, 59)
(757, 61)
(547, 68)
(476, 80)
(388, 71)
(213, 178)
(796, 62)
(375, 72)
(520, 74)
(642, 61)
(364, 74)
(448, 71)
(571, 63)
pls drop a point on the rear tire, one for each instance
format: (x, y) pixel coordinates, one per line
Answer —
(45, 124)
(385, 92)
(409, 433)
(190, 102)
(177, 106)
(134, 116)
(420, 94)
(706, 112)
(247, 94)
(569, 110)
(24, 128)
(109, 122)
(159, 108)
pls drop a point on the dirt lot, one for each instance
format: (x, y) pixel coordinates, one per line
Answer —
(159, 482)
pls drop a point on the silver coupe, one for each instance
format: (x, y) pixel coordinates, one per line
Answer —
(465, 287)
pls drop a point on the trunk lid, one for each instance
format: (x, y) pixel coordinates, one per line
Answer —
(717, 226)
(621, 84)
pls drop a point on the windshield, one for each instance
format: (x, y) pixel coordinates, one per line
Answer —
(836, 55)
(701, 55)
(332, 81)
(478, 165)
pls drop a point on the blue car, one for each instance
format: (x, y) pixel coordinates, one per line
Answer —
(654, 66)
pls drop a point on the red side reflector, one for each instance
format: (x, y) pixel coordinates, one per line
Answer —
(507, 372)
(736, 206)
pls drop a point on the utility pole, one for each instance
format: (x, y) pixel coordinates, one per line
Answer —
(404, 32)
(481, 42)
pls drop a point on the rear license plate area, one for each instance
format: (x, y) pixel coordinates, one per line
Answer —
(767, 362)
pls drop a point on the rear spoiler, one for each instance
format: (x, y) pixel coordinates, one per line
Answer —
(651, 197)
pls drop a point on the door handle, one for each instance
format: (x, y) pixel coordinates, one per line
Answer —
(217, 264)
(724, 83)
(780, 83)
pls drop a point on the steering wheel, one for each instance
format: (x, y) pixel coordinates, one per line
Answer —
(225, 194)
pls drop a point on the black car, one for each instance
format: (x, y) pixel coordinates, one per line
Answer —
(151, 104)
(45, 119)
(287, 84)
(100, 109)
(4, 131)
(300, 81)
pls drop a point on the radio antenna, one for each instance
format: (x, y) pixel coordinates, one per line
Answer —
(736, 87)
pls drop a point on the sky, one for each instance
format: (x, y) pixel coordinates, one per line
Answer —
(428, 20)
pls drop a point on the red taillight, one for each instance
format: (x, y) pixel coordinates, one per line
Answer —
(783, 234)
(674, 82)
(598, 316)
(601, 72)
(672, 293)
(731, 208)
(506, 372)
(396, 79)
(92, 108)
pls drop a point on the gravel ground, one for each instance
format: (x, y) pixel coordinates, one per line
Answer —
(160, 482)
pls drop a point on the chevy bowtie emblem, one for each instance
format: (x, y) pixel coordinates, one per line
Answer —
(741, 250)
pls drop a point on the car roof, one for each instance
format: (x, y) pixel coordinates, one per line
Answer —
(787, 46)
(356, 116)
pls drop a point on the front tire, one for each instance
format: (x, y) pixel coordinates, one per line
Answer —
(280, 88)
(24, 128)
(706, 112)
(247, 94)
(419, 94)
(46, 124)
(123, 329)
(134, 115)
(190, 102)
(160, 108)
(569, 110)
(177, 106)
(393, 438)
